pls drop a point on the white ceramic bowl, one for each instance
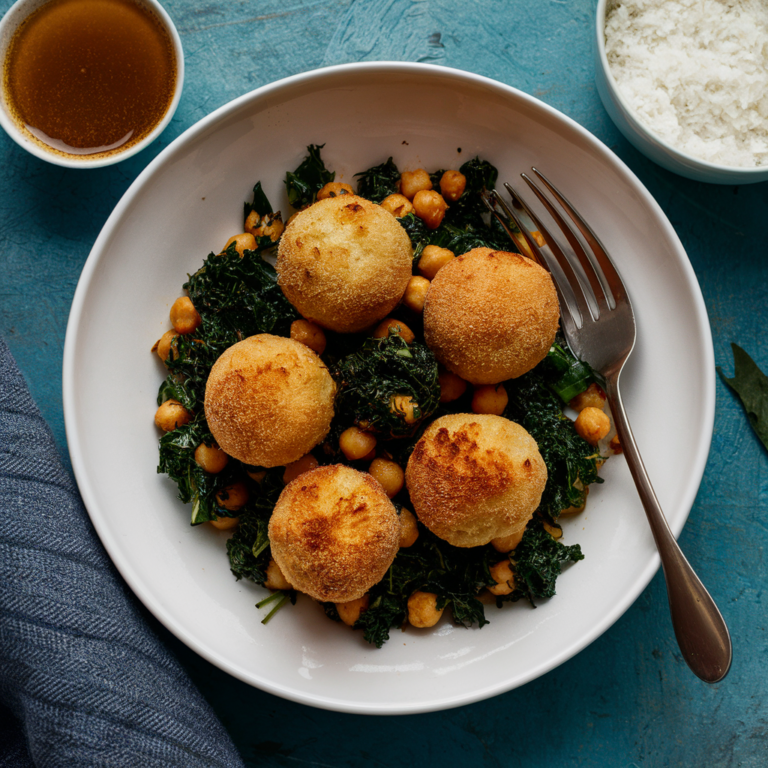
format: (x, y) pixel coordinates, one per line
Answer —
(14, 17)
(189, 201)
(644, 139)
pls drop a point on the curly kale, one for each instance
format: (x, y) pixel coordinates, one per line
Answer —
(378, 182)
(308, 179)
(572, 463)
(370, 379)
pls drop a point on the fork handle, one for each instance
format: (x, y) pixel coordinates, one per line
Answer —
(699, 627)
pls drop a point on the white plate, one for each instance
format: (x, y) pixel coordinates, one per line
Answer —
(189, 201)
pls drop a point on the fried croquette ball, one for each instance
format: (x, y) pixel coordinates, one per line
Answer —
(473, 478)
(344, 263)
(490, 315)
(269, 400)
(334, 533)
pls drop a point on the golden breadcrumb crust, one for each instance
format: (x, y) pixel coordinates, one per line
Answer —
(334, 533)
(473, 478)
(269, 400)
(344, 263)
(491, 315)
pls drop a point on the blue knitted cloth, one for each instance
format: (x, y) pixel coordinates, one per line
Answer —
(83, 679)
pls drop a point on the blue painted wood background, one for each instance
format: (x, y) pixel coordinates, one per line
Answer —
(626, 701)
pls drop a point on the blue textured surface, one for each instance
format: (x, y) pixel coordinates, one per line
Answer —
(628, 699)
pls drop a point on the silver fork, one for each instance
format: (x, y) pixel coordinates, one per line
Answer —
(599, 325)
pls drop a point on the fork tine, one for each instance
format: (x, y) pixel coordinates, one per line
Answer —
(571, 322)
(610, 279)
(576, 291)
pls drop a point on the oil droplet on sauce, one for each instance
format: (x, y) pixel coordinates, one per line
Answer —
(90, 77)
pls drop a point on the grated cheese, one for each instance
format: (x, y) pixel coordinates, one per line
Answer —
(695, 72)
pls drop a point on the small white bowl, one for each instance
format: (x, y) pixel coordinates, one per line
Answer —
(644, 139)
(16, 15)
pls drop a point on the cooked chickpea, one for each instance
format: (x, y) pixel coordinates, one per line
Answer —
(592, 397)
(412, 182)
(593, 425)
(382, 330)
(615, 445)
(409, 530)
(225, 523)
(257, 475)
(184, 317)
(504, 578)
(350, 611)
(508, 543)
(416, 293)
(170, 415)
(356, 444)
(389, 474)
(310, 334)
(334, 189)
(299, 467)
(270, 226)
(275, 577)
(406, 406)
(422, 610)
(452, 185)
(555, 531)
(433, 259)
(233, 497)
(452, 387)
(211, 458)
(397, 205)
(243, 242)
(430, 207)
(491, 398)
(165, 345)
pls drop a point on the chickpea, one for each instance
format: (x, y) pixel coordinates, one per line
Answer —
(422, 610)
(452, 185)
(310, 334)
(211, 458)
(165, 345)
(555, 531)
(508, 543)
(184, 317)
(389, 474)
(334, 189)
(356, 444)
(299, 467)
(409, 530)
(416, 293)
(491, 398)
(275, 577)
(412, 182)
(592, 397)
(452, 387)
(225, 523)
(243, 242)
(382, 330)
(233, 497)
(270, 226)
(257, 475)
(433, 259)
(615, 445)
(504, 578)
(405, 406)
(350, 611)
(397, 205)
(171, 415)
(593, 425)
(430, 207)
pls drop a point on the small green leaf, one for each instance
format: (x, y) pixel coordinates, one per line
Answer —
(751, 385)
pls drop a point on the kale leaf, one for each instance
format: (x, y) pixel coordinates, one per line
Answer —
(308, 179)
(378, 182)
(564, 374)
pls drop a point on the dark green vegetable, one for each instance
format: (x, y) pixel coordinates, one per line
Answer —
(260, 203)
(751, 386)
(378, 182)
(565, 375)
(572, 463)
(308, 179)
(370, 378)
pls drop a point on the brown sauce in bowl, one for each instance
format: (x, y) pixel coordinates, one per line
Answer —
(90, 77)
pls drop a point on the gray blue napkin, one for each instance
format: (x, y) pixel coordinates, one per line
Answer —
(84, 681)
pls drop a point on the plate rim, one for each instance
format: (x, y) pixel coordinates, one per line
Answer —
(688, 494)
